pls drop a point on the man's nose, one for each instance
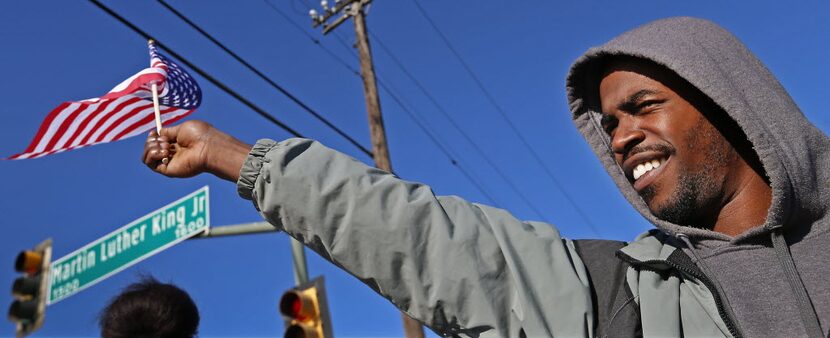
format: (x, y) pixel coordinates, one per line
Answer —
(626, 136)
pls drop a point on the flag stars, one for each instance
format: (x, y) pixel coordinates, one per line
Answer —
(182, 89)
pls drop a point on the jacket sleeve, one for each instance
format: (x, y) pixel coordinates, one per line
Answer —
(462, 269)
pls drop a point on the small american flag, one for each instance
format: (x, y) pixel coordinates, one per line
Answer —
(127, 110)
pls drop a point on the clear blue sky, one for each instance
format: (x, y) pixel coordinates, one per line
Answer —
(69, 50)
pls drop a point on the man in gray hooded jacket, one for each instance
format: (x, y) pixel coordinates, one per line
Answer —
(695, 131)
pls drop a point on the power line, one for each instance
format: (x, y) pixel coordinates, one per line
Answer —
(199, 71)
(441, 109)
(313, 39)
(503, 114)
(259, 110)
(345, 45)
(267, 79)
(446, 150)
(412, 115)
(294, 8)
(457, 126)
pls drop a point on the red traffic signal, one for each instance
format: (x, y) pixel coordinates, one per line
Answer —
(299, 304)
(305, 311)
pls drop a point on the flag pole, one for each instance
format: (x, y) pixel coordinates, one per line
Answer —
(154, 88)
(156, 107)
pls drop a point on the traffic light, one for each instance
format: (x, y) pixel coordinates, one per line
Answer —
(305, 311)
(29, 290)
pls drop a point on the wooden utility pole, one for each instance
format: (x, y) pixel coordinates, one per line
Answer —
(354, 9)
(370, 89)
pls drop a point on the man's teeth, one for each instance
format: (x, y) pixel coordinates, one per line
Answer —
(643, 168)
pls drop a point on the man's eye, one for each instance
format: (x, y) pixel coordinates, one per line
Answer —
(609, 128)
(648, 104)
(608, 123)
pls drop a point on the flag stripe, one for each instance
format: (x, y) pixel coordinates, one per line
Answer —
(64, 126)
(97, 121)
(41, 154)
(76, 130)
(134, 122)
(68, 128)
(145, 115)
(87, 127)
(45, 125)
(58, 119)
(167, 119)
(182, 114)
(138, 108)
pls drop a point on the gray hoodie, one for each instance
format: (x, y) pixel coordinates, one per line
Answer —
(465, 269)
(774, 285)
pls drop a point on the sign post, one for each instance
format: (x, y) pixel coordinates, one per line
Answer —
(132, 243)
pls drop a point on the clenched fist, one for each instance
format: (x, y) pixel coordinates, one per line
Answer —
(192, 148)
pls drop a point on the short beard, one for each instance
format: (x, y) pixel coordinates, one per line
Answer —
(695, 199)
(682, 207)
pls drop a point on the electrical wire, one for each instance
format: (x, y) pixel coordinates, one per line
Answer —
(504, 115)
(440, 108)
(447, 151)
(417, 118)
(345, 45)
(313, 39)
(457, 127)
(267, 79)
(259, 110)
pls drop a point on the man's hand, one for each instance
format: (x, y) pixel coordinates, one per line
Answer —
(192, 148)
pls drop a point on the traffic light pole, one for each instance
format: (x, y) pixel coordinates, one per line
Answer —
(297, 249)
(322, 319)
(354, 9)
(298, 257)
(236, 229)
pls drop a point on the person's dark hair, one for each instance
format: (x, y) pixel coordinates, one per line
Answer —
(150, 308)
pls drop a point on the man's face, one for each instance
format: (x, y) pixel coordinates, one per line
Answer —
(671, 153)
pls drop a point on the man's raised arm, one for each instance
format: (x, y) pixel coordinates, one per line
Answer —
(463, 269)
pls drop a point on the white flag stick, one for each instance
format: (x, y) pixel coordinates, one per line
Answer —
(158, 114)
(156, 107)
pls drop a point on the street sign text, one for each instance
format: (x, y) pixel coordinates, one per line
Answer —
(129, 245)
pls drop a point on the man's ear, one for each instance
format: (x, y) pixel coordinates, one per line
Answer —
(730, 129)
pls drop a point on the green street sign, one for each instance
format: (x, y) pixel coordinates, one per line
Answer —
(129, 245)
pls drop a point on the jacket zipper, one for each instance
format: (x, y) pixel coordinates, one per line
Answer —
(730, 325)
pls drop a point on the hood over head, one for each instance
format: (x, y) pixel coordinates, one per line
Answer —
(795, 155)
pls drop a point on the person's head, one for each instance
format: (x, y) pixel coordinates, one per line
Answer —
(680, 151)
(150, 309)
(725, 119)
